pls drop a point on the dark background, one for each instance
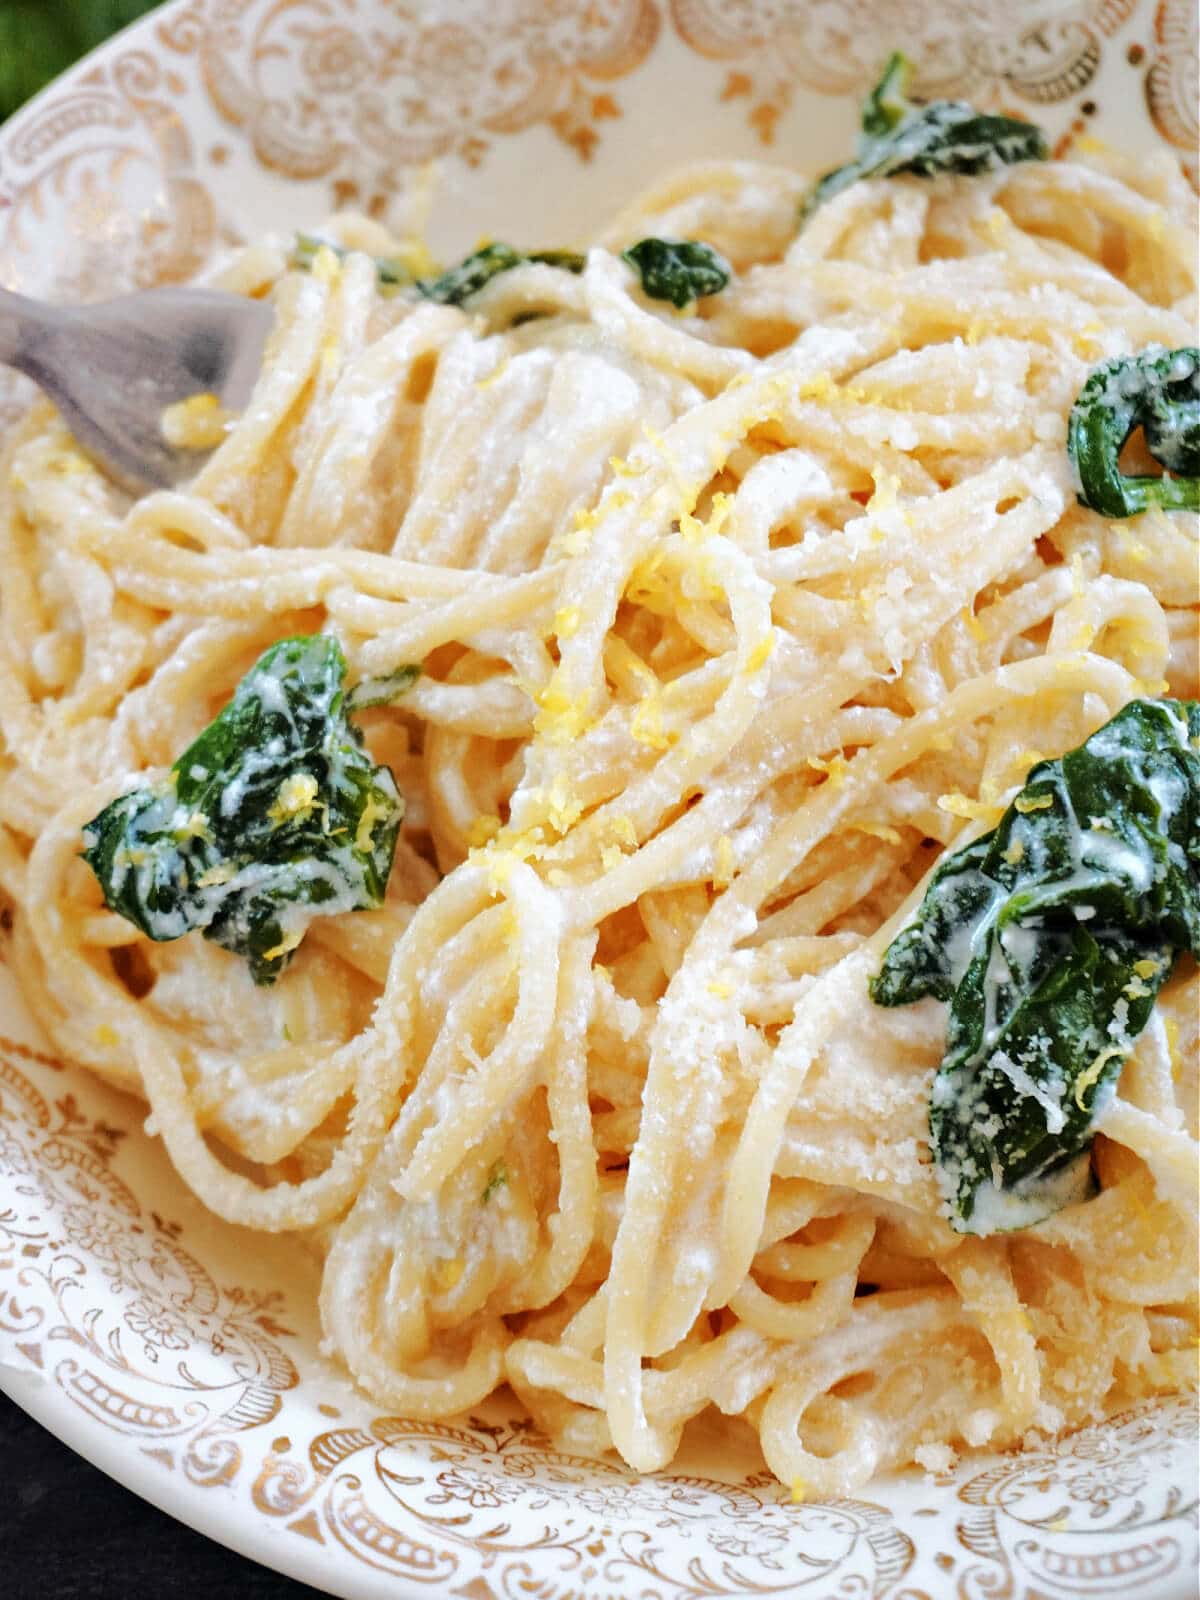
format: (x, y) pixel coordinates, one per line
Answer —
(66, 1531)
(41, 38)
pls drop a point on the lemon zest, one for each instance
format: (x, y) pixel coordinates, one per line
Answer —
(372, 813)
(566, 622)
(974, 627)
(1091, 1073)
(560, 717)
(562, 807)
(762, 652)
(879, 830)
(724, 863)
(1171, 1029)
(494, 375)
(198, 423)
(485, 827)
(958, 804)
(326, 265)
(416, 256)
(288, 942)
(221, 873)
(196, 827)
(835, 769)
(448, 1273)
(647, 727)
(294, 798)
(623, 831)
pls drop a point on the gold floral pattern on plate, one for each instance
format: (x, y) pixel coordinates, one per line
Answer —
(164, 1344)
(1173, 79)
(497, 1492)
(1032, 55)
(1040, 55)
(100, 1297)
(130, 1318)
(408, 83)
(142, 162)
(91, 154)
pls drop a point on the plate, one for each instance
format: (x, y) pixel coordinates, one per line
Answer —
(181, 1354)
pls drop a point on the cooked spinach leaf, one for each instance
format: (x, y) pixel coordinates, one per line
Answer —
(1158, 391)
(382, 691)
(903, 135)
(566, 260)
(1050, 937)
(497, 1178)
(274, 815)
(391, 273)
(678, 270)
(471, 274)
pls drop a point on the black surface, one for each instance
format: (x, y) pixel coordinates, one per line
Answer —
(68, 1532)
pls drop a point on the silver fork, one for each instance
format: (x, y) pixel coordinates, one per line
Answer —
(112, 369)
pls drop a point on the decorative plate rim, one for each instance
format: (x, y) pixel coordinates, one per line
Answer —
(293, 1485)
(577, 124)
(249, 1537)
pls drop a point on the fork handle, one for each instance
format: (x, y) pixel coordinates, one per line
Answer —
(21, 322)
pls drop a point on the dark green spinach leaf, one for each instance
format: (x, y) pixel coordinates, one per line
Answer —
(497, 1178)
(1050, 937)
(274, 815)
(382, 691)
(1159, 391)
(902, 135)
(471, 274)
(678, 270)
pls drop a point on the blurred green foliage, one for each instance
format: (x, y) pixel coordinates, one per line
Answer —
(41, 38)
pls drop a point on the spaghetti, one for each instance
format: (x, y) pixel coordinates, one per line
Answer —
(731, 620)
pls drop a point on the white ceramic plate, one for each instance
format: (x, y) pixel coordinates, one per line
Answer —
(181, 1354)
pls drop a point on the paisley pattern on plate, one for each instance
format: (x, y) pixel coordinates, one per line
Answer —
(1173, 80)
(412, 83)
(1043, 55)
(151, 155)
(131, 1320)
(156, 1339)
